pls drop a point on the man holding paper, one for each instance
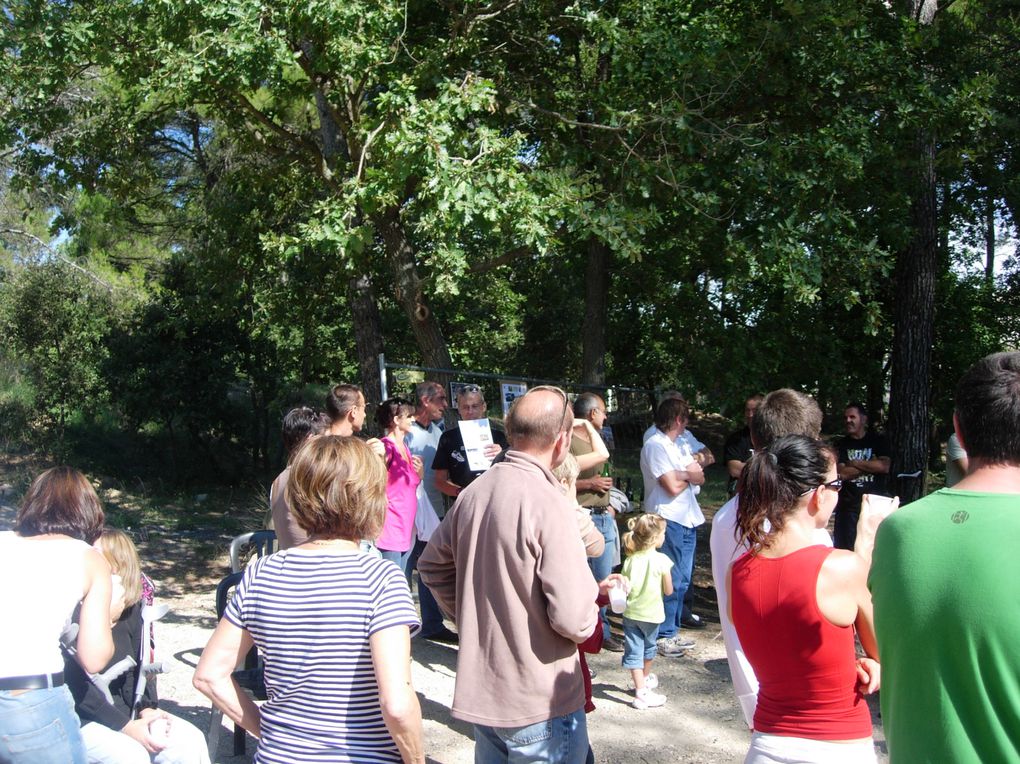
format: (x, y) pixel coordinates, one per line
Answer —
(467, 451)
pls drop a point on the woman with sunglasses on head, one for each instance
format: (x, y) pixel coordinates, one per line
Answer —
(796, 606)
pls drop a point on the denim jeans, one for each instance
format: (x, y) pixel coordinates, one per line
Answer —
(563, 740)
(186, 745)
(679, 547)
(602, 565)
(401, 558)
(40, 727)
(638, 643)
(431, 615)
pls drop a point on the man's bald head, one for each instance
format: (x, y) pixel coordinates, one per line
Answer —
(785, 412)
(538, 418)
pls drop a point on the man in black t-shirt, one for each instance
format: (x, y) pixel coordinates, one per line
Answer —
(450, 463)
(737, 450)
(863, 465)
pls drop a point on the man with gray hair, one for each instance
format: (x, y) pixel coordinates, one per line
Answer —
(422, 441)
(587, 446)
(509, 563)
(781, 412)
(451, 465)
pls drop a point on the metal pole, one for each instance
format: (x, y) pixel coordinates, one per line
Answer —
(383, 391)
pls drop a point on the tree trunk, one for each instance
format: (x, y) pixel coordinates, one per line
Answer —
(912, 340)
(596, 297)
(368, 339)
(408, 291)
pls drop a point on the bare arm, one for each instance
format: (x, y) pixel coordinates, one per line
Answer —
(873, 512)
(705, 457)
(734, 468)
(844, 599)
(444, 484)
(847, 472)
(877, 466)
(594, 541)
(667, 583)
(95, 642)
(598, 484)
(599, 454)
(676, 481)
(225, 651)
(391, 659)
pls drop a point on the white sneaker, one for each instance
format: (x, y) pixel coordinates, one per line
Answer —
(645, 698)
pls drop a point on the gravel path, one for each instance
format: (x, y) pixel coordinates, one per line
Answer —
(701, 723)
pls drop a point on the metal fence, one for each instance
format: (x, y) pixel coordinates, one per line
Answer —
(630, 408)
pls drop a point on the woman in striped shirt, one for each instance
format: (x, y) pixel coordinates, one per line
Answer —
(333, 625)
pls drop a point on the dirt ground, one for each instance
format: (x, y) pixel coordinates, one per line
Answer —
(700, 723)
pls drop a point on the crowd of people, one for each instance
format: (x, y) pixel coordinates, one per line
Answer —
(518, 553)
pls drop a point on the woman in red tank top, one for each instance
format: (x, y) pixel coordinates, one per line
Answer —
(795, 606)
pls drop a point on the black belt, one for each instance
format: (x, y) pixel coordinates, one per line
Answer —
(33, 682)
(598, 510)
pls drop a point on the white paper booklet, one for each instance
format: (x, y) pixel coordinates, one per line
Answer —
(477, 435)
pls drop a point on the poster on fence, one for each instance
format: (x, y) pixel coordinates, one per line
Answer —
(455, 390)
(509, 391)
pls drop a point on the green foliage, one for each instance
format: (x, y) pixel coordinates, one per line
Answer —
(226, 167)
(56, 321)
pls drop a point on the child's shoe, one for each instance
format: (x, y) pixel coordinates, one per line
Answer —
(651, 682)
(645, 698)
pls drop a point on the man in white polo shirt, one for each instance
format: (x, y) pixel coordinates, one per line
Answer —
(670, 473)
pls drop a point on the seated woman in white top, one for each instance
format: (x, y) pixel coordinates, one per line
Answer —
(47, 567)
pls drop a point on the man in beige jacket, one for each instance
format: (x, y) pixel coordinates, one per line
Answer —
(508, 563)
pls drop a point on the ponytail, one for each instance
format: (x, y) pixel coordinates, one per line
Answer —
(644, 530)
(772, 483)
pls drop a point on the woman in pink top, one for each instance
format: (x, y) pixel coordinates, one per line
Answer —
(403, 474)
(796, 605)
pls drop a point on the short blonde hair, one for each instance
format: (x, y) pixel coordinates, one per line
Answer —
(120, 551)
(337, 488)
(567, 470)
(643, 532)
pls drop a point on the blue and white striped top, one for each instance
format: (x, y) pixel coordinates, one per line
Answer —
(311, 615)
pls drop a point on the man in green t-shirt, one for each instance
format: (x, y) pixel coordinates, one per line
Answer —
(944, 582)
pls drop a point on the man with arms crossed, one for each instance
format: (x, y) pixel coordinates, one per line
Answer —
(509, 563)
(944, 584)
(781, 412)
(863, 466)
(670, 474)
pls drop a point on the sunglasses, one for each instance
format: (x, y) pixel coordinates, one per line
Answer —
(832, 485)
(566, 400)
